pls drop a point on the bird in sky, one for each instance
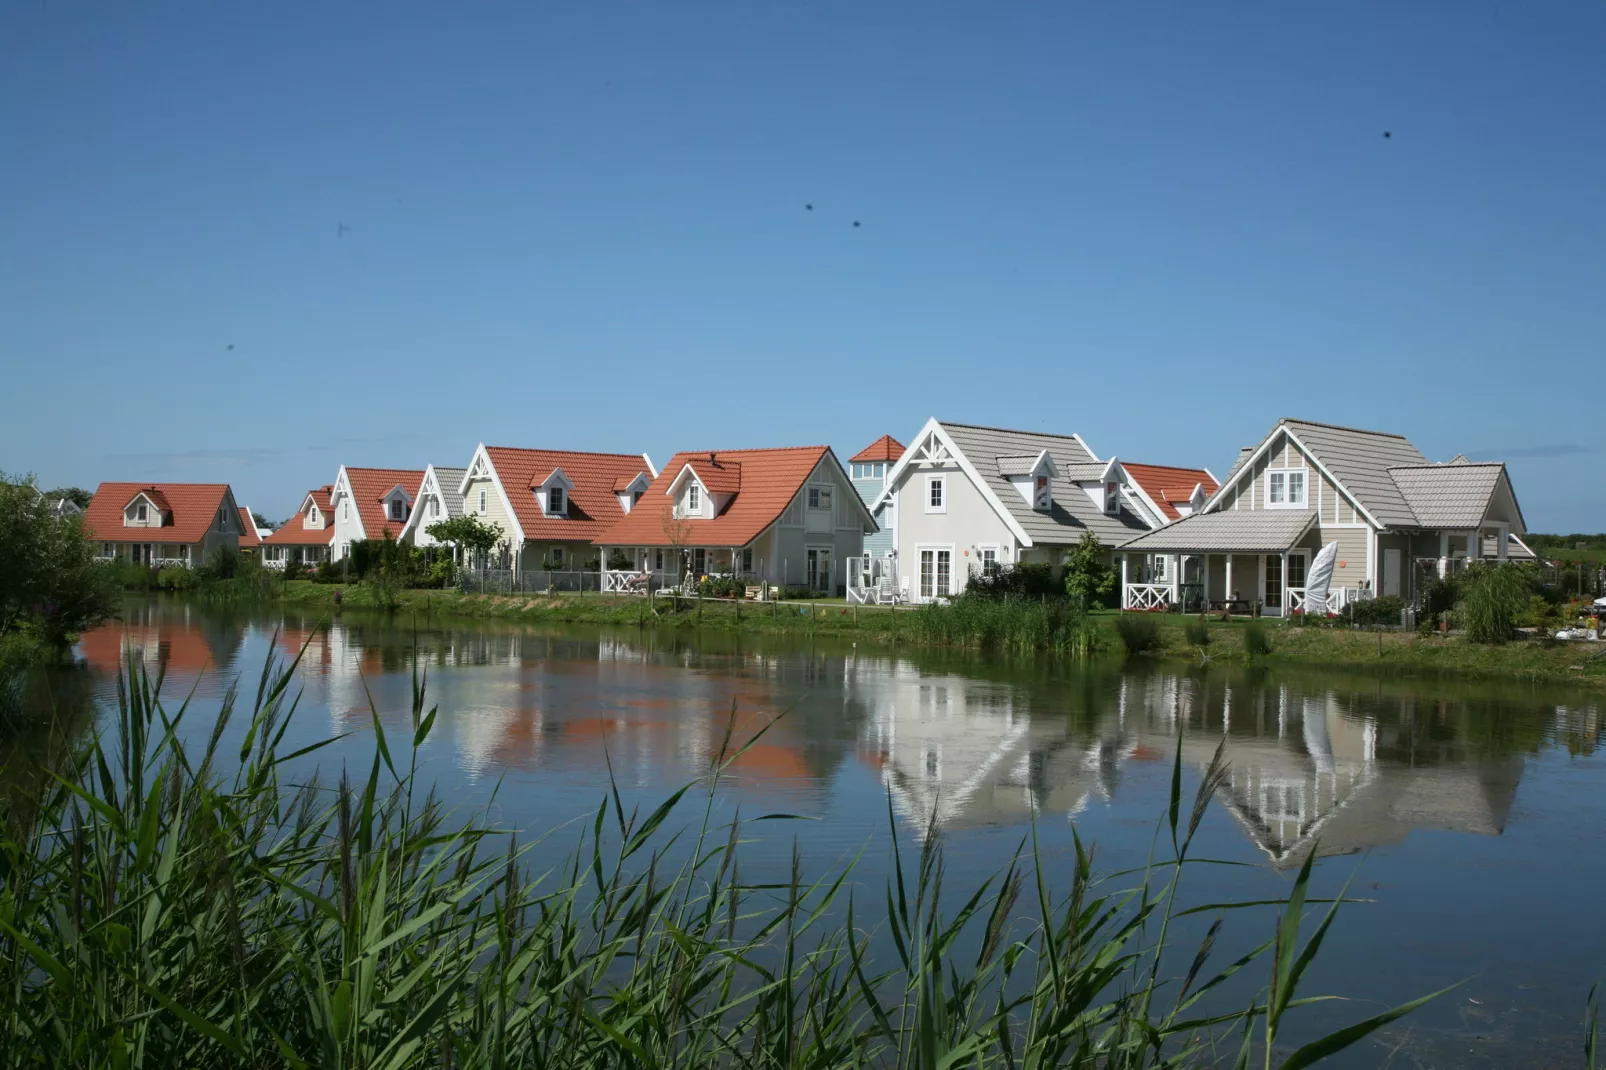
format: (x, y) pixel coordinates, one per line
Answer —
(231, 347)
(855, 222)
(1387, 135)
(341, 230)
(808, 207)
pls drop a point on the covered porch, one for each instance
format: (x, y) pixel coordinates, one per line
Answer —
(1250, 562)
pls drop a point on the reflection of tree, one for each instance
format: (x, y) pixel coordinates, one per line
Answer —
(42, 731)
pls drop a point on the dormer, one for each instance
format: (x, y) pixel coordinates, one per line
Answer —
(147, 509)
(630, 489)
(312, 518)
(552, 494)
(398, 504)
(1033, 478)
(704, 487)
(1105, 492)
(1196, 499)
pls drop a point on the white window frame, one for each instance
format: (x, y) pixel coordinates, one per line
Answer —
(694, 498)
(1284, 486)
(1157, 567)
(557, 501)
(988, 566)
(934, 549)
(940, 481)
(819, 497)
(482, 501)
(434, 505)
(397, 508)
(141, 513)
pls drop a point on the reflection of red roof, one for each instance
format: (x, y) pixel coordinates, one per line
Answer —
(592, 505)
(368, 489)
(248, 530)
(189, 511)
(1169, 487)
(767, 481)
(885, 448)
(183, 647)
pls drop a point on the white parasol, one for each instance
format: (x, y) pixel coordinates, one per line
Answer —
(1319, 577)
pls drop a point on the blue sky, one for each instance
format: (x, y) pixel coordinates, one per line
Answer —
(583, 226)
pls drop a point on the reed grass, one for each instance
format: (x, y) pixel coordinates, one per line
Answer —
(1257, 641)
(1139, 632)
(172, 905)
(1196, 631)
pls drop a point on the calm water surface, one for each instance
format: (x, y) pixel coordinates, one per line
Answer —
(1472, 817)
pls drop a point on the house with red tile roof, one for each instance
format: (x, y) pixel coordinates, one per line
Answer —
(306, 537)
(371, 503)
(552, 504)
(1167, 493)
(869, 468)
(163, 524)
(781, 516)
(251, 536)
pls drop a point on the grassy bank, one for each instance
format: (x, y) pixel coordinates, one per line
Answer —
(173, 906)
(1016, 627)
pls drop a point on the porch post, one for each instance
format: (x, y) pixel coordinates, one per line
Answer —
(1444, 555)
(1228, 593)
(1474, 546)
(1176, 579)
(1204, 582)
(1125, 594)
(1286, 597)
(1503, 539)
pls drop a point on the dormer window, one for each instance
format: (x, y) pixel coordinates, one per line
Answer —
(223, 520)
(556, 503)
(1112, 498)
(694, 498)
(636, 497)
(1042, 494)
(398, 509)
(141, 512)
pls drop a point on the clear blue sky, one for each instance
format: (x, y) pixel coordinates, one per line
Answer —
(582, 225)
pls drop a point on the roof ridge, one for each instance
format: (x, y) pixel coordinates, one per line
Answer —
(1448, 465)
(752, 449)
(1341, 427)
(1009, 430)
(574, 453)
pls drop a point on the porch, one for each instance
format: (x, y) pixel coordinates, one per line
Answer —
(873, 580)
(627, 569)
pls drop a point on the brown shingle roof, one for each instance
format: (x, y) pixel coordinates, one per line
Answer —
(592, 504)
(885, 448)
(768, 481)
(190, 511)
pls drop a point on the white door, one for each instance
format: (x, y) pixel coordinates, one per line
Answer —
(1393, 571)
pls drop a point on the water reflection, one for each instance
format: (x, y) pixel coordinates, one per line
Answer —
(1345, 763)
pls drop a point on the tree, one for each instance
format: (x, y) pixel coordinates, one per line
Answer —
(467, 532)
(261, 521)
(1088, 578)
(677, 530)
(51, 585)
(77, 495)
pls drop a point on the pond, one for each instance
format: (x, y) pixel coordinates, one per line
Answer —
(1471, 817)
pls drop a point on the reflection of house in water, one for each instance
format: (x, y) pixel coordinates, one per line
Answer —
(960, 752)
(187, 645)
(1305, 767)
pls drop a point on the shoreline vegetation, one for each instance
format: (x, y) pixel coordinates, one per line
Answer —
(1023, 626)
(219, 910)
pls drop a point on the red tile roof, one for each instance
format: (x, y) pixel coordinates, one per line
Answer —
(717, 474)
(885, 448)
(294, 532)
(368, 489)
(593, 503)
(769, 480)
(249, 539)
(189, 511)
(1168, 487)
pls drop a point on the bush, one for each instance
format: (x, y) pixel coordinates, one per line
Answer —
(722, 587)
(440, 573)
(1257, 642)
(1492, 597)
(1377, 611)
(1089, 578)
(1138, 631)
(1441, 597)
(329, 572)
(52, 587)
(1014, 581)
(294, 570)
(175, 578)
(1196, 631)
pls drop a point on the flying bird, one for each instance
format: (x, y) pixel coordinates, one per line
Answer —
(1387, 135)
(855, 222)
(808, 207)
(341, 230)
(231, 347)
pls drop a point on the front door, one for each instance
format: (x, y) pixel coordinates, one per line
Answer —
(1274, 581)
(1393, 571)
(819, 570)
(936, 574)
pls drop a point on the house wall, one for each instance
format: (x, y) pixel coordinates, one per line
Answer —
(869, 489)
(577, 554)
(970, 521)
(839, 530)
(496, 510)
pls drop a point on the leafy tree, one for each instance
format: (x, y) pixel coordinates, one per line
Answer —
(51, 585)
(1088, 577)
(77, 495)
(467, 532)
(261, 521)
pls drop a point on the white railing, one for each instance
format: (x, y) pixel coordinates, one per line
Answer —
(632, 580)
(1296, 600)
(1146, 596)
(169, 562)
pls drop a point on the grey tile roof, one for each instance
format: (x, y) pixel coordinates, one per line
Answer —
(1250, 531)
(1360, 460)
(1016, 466)
(450, 479)
(1073, 511)
(1238, 462)
(1091, 472)
(1448, 495)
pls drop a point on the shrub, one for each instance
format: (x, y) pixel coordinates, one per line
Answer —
(1491, 599)
(51, 584)
(722, 587)
(1257, 642)
(330, 572)
(1138, 631)
(617, 561)
(1089, 579)
(1373, 612)
(441, 572)
(294, 570)
(1196, 631)
(175, 578)
(1014, 581)
(1441, 597)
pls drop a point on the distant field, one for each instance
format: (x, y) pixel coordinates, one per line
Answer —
(1558, 553)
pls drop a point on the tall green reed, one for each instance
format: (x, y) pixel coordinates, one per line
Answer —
(158, 909)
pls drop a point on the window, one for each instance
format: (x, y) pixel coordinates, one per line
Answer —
(818, 565)
(557, 557)
(858, 471)
(636, 497)
(139, 512)
(988, 556)
(223, 520)
(658, 560)
(1296, 570)
(1274, 581)
(554, 500)
(1042, 495)
(434, 506)
(819, 497)
(345, 509)
(398, 509)
(699, 561)
(1159, 561)
(1112, 498)
(482, 501)
(1285, 488)
(936, 494)
(747, 559)
(880, 469)
(694, 498)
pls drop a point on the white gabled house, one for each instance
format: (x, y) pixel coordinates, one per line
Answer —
(440, 497)
(371, 503)
(1398, 521)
